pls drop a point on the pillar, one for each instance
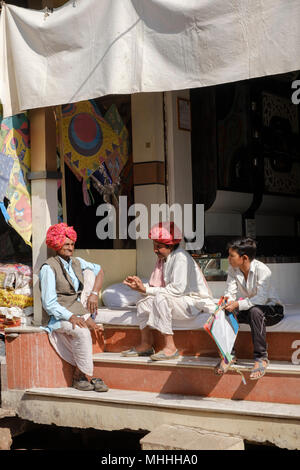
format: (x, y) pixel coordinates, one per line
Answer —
(43, 178)
(149, 165)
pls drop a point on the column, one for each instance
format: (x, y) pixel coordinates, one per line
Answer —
(43, 178)
(149, 165)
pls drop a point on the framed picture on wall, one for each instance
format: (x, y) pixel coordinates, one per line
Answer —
(184, 114)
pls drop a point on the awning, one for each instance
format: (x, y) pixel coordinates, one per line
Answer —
(90, 48)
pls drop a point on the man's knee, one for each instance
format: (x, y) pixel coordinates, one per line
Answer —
(82, 333)
(159, 299)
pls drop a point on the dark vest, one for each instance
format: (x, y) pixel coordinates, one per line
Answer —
(66, 294)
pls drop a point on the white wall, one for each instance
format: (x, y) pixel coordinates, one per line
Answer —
(148, 146)
(179, 153)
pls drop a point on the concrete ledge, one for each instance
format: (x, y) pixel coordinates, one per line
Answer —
(5, 439)
(178, 402)
(6, 413)
(168, 437)
(121, 409)
(24, 329)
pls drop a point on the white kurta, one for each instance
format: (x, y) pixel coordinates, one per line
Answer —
(186, 294)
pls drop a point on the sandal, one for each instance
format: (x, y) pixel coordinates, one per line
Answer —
(261, 368)
(224, 368)
(133, 352)
(161, 356)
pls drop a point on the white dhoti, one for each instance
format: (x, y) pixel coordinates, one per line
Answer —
(159, 310)
(75, 345)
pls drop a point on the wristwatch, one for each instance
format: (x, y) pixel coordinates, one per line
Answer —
(93, 292)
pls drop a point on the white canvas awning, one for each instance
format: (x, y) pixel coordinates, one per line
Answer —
(90, 48)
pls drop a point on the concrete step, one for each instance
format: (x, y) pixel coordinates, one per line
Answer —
(195, 376)
(32, 362)
(197, 342)
(174, 401)
(169, 437)
(136, 410)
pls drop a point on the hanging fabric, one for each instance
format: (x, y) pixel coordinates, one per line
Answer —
(14, 166)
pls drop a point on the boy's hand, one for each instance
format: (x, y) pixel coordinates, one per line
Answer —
(231, 306)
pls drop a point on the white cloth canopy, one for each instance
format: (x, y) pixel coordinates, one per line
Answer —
(90, 48)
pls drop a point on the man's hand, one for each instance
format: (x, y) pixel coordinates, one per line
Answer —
(231, 306)
(92, 303)
(135, 283)
(92, 325)
(79, 321)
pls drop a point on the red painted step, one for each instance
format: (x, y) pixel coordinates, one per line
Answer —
(195, 376)
(199, 343)
(32, 362)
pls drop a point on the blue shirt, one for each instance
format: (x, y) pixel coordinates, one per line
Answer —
(48, 290)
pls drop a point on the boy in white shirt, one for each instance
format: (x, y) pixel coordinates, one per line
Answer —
(259, 307)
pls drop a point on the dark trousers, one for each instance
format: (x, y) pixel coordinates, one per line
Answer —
(258, 317)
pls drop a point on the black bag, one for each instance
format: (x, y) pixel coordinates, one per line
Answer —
(273, 314)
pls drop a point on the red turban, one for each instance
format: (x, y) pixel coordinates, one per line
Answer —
(57, 234)
(166, 233)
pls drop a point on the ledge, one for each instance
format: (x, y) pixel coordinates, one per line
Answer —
(24, 329)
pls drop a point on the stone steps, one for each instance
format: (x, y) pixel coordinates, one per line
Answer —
(196, 342)
(137, 410)
(195, 376)
(32, 362)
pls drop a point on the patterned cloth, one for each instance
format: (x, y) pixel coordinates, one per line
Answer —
(14, 144)
(57, 234)
(89, 140)
(10, 299)
(6, 165)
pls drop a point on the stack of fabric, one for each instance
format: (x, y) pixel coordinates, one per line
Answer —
(16, 297)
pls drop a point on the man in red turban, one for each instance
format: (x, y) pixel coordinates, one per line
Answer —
(176, 289)
(70, 291)
(57, 234)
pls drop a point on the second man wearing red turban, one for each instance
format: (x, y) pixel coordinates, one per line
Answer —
(177, 290)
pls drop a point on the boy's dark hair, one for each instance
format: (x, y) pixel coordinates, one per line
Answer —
(244, 246)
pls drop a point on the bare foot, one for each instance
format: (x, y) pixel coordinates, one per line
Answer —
(168, 351)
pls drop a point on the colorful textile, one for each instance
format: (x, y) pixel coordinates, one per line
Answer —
(14, 145)
(57, 234)
(113, 117)
(165, 232)
(10, 299)
(6, 165)
(88, 140)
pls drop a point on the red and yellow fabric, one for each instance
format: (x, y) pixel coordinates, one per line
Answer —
(10, 299)
(88, 140)
(14, 143)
